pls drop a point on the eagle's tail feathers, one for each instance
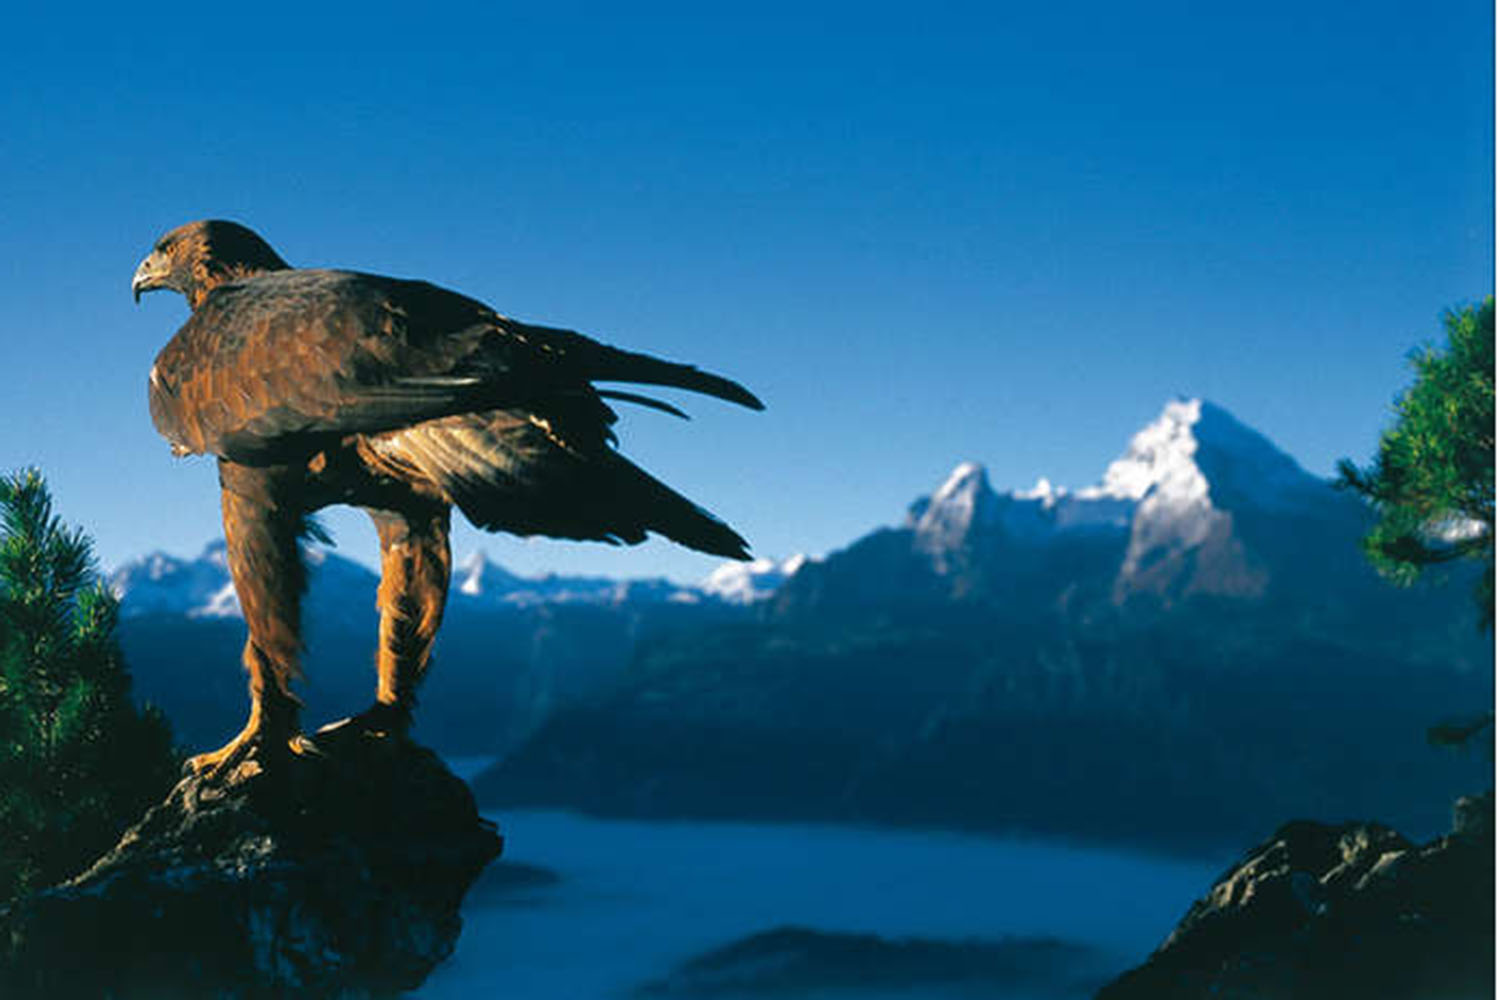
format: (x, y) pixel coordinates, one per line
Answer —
(505, 478)
(669, 513)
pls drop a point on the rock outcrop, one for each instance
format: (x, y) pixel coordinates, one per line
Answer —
(1352, 911)
(334, 874)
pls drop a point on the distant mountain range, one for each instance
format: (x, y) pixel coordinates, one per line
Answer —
(1187, 653)
(162, 584)
(512, 647)
(1194, 648)
(1199, 506)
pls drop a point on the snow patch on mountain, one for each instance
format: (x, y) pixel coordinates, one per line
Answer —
(222, 603)
(748, 582)
(164, 584)
(201, 587)
(1159, 470)
(480, 581)
(476, 576)
(965, 507)
(963, 504)
(1196, 451)
(1195, 469)
(1044, 492)
(1158, 459)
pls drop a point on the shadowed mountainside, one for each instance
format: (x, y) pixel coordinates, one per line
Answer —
(1174, 657)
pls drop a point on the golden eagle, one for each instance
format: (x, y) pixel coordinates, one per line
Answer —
(319, 387)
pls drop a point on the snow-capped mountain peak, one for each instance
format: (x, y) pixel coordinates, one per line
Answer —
(967, 481)
(964, 500)
(1159, 456)
(1193, 507)
(1188, 471)
(1172, 489)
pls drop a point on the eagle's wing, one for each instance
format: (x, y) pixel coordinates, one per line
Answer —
(517, 472)
(266, 364)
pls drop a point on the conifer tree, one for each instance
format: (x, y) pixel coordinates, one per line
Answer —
(78, 760)
(1432, 483)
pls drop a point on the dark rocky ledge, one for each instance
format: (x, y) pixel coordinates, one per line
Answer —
(1352, 911)
(338, 874)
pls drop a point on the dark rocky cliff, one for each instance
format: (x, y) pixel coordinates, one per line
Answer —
(1353, 911)
(333, 874)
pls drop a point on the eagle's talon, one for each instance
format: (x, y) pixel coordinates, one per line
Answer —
(250, 752)
(334, 726)
(301, 746)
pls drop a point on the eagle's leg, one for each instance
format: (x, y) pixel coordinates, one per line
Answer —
(262, 525)
(415, 563)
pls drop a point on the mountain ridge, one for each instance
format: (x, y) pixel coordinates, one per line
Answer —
(1158, 490)
(1191, 507)
(199, 586)
(1190, 647)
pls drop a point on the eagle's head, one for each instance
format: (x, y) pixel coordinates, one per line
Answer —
(196, 258)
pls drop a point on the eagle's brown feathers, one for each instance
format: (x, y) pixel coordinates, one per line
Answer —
(276, 364)
(317, 387)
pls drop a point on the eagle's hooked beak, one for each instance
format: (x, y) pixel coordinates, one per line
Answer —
(151, 275)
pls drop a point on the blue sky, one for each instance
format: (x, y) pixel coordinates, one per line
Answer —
(922, 234)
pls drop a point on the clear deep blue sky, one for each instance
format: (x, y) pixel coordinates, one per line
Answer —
(923, 235)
